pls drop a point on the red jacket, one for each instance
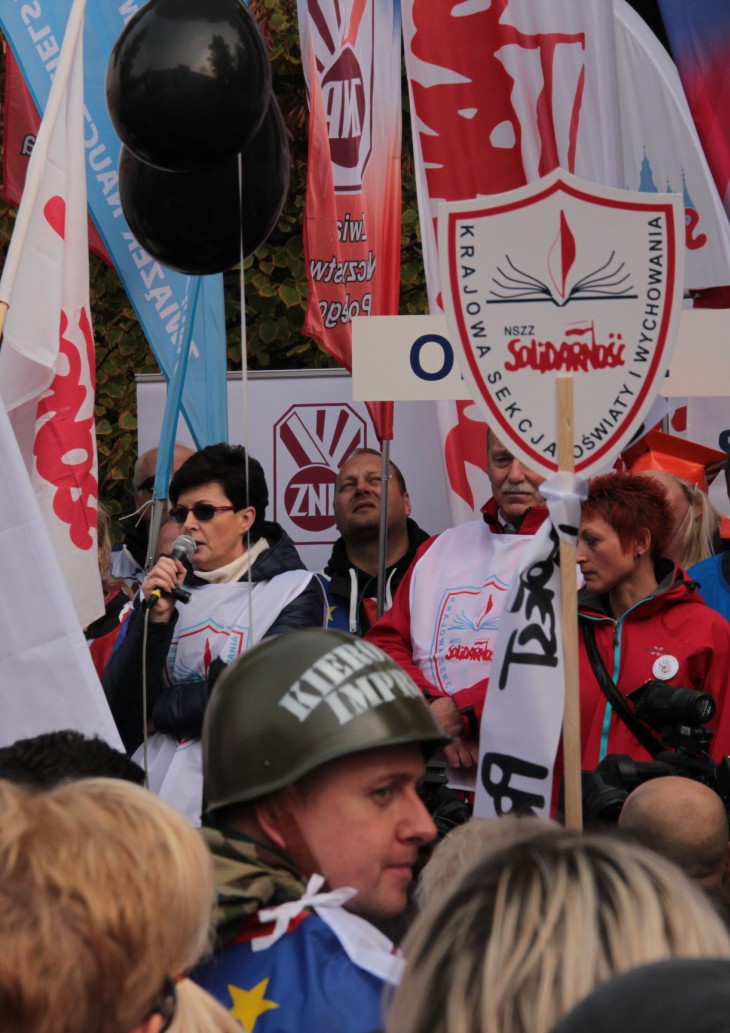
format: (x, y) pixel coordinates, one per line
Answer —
(673, 636)
(435, 646)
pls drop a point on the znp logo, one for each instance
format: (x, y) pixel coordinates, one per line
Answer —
(342, 37)
(311, 442)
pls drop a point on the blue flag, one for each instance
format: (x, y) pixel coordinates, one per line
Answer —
(304, 983)
(158, 294)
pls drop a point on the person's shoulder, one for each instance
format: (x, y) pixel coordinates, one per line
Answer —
(705, 568)
(306, 975)
(280, 556)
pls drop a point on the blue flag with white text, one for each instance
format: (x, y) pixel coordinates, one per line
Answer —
(158, 294)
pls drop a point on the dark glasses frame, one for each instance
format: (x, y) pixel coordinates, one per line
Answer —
(202, 511)
(166, 1004)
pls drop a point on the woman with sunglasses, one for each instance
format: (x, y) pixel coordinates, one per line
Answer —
(106, 896)
(245, 582)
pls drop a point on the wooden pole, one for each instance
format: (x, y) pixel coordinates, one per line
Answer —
(571, 711)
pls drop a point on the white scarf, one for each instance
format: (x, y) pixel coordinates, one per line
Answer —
(234, 570)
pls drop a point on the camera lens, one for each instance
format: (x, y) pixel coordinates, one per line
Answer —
(661, 704)
(602, 802)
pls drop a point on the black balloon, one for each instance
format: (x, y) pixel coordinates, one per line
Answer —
(188, 82)
(191, 221)
(265, 179)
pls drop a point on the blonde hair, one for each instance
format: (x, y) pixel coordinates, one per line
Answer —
(104, 891)
(696, 544)
(534, 926)
(465, 844)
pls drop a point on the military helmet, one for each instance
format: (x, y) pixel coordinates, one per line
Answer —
(298, 700)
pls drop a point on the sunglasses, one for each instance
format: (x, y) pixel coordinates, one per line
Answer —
(202, 511)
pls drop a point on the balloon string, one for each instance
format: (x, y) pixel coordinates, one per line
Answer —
(244, 376)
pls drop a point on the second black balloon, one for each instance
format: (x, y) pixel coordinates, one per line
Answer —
(192, 221)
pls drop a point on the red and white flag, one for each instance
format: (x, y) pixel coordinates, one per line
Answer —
(20, 125)
(501, 94)
(47, 361)
(351, 60)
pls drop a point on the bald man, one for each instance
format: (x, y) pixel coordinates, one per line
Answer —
(128, 559)
(684, 821)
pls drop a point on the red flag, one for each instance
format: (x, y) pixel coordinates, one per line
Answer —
(47, 365)
(21, 121)
(351, 56)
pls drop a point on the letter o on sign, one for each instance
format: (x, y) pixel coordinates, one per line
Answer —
(447, 356)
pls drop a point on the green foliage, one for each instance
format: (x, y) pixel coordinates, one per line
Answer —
(275, 279)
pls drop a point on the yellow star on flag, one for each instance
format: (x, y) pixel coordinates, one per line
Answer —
(250, 1005)
(331, 610)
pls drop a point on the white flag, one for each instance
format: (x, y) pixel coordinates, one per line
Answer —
(523, 711)
(48, 679)
(47, 363)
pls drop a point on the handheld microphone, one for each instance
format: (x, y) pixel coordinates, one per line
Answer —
(182, 549)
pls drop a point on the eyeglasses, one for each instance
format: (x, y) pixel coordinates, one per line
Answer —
(166, 1003)
(202, 511)
(147, 485)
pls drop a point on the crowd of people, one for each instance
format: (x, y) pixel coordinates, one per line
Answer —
(274, 707)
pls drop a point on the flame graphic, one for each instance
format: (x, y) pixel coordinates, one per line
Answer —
(483, 615)
(561, 256)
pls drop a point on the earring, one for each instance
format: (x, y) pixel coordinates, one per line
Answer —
(637, 555)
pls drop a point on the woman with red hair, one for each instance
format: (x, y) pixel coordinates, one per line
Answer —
(642, 621)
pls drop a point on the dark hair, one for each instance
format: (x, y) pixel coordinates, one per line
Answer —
(54, 757)
(629, 502)
(374, 452)
(226, 465)
(726, 468)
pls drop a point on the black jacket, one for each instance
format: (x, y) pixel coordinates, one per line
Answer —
(178, 709)
(348, 587)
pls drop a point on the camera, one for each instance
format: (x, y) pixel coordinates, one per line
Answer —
(679, 715)
(676, 713)
(447, 808)
(606, 788)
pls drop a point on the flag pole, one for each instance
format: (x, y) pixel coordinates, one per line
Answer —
(571, 709)
(173, 405)
(383, 529)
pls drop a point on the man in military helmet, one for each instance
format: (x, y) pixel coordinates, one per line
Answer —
(313, 752)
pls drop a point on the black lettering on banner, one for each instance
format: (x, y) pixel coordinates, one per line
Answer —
(496, 773)
(533, 596)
